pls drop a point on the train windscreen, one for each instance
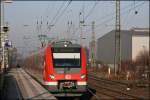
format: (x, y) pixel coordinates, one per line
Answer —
(66, 57)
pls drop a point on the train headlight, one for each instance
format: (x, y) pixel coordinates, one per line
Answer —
(52, 76)
(65, 45)
(83, 76)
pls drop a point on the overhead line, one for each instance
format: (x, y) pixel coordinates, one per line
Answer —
(96, 2)
(58, 11)
(121, 12)
(89, 13)
(45, 13)
(108, 15)
(125, 11)
(62, 12)
(110, 19)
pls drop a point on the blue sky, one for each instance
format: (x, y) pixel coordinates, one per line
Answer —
(20, 13)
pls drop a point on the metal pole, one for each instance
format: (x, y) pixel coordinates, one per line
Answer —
(81, 22)
(149, 62)
(93, 45)
(80, 25)
(2, 38)
(81, 34)
(117, 58)
(3, 14)
(3, 54)
(2, 45)
(2, 21)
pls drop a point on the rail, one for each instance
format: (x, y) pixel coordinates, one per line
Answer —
(111, 88)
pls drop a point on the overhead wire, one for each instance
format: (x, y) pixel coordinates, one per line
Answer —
(37, 29)
(110, 14)
(58, 11)
(111, 19)
(58, 15)
(103, 17)
(89, 13)
(47, 16)
(124, 12)
(57, 19)
(91, 10)
(40, 22)
(125, 19)
(46, 12)
(82, 11)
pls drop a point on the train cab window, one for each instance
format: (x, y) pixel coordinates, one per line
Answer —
(68, 57)
(67, 62)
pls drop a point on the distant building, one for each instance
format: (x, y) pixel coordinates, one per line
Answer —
(140, 41)
(132, 42)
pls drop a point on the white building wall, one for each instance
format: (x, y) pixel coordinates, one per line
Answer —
(139, 43)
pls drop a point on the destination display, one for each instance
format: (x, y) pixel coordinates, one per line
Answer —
(66, 50)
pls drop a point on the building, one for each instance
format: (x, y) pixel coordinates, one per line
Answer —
(132, 42)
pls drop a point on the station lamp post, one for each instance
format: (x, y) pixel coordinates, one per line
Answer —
(3, 31)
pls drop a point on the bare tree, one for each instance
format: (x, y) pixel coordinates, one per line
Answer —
(143, 58)
(142, 62)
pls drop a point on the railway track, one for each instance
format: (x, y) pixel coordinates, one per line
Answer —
(110, 88)
(112, 81)
(114, 84)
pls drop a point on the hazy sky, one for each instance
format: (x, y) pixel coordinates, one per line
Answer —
(23, 16)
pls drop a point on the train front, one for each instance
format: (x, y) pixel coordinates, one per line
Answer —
(65, 72)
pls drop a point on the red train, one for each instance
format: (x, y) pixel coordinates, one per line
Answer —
(64, 68)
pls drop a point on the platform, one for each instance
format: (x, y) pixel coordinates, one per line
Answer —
(21, 86)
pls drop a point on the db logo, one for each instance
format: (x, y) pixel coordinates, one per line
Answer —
(67, 76)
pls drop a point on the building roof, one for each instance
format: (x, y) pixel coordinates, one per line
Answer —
(140, 31)
(113, 32)
(132, 31)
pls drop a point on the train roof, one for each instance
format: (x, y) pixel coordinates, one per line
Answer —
(64, 43)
